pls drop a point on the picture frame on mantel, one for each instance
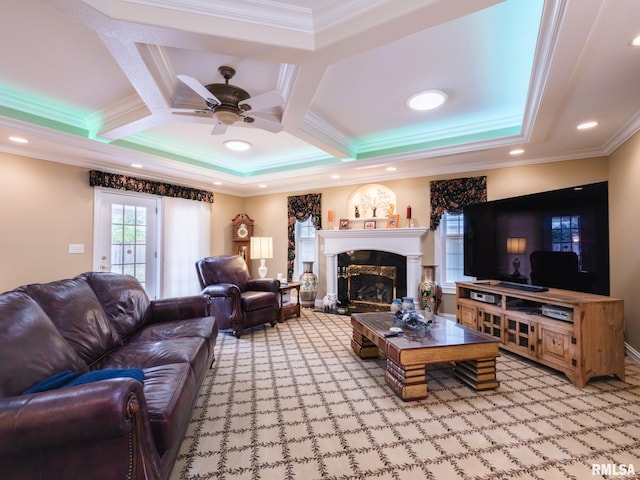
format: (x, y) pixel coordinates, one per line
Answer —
(392, 220)
(369, 224)
(344, 224)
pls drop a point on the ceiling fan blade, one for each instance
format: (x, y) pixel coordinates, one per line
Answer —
(200, 89)
(191, 111)
(268, 125)
(218, 128)
(264, 101)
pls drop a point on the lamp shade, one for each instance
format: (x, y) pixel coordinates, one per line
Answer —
(516, 245)
(261, 247)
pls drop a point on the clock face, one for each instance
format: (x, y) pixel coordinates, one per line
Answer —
(242, 231)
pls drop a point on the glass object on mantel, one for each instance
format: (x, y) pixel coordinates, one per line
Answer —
(430, 290)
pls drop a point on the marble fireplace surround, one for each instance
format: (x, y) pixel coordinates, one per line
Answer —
(402, 241)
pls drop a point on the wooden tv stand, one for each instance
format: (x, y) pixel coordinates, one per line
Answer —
(592, 345)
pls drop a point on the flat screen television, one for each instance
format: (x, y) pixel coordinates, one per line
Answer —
(569, 226)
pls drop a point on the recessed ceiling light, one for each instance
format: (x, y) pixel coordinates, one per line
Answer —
(335, 176)
(237, 145)
(18, 139)
(516, 151)
(427, 100)
(217, 183)
(262, 186)
(136, 165)
(636, 41)
(587, 125)
(391, 169)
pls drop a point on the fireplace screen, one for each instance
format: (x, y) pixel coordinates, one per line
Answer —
(371, 287)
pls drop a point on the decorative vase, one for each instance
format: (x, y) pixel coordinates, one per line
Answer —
(407, 304)
(430, 291)
(308, 286)
(396, 304)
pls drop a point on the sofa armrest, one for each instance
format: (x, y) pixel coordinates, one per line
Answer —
(221, 290)
(71, 415)
(263, 285)
(98, 430)
(178, 308)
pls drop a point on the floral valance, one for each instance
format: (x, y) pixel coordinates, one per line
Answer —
(450, 196)
(300, 208)
(124, 182)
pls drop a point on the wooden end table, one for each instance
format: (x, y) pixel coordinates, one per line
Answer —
(473, 353)
(288, 308)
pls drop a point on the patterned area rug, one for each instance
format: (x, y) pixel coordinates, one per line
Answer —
(295, 402)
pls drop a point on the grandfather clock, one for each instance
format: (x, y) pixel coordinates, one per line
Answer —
(242, 232)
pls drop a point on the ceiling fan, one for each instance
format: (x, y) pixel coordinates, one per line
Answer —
(229, 104)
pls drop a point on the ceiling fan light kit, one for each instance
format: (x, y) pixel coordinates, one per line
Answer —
(226, 115)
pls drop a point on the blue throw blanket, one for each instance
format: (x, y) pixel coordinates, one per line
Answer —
(69, 378)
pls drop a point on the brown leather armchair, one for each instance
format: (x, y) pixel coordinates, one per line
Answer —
(237, 301)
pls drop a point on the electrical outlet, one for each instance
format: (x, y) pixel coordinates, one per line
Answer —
(76, 248)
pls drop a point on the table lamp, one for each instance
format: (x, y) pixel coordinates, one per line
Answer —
(516, 246)
(262, 248)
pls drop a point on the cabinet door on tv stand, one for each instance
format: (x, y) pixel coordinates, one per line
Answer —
(556, 345)
(468, 316)
(490, 322)
(520, 335)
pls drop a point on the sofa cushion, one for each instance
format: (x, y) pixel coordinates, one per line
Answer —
(124, 300)
(203, 327)
(77, 314)
(257, 300)
(170, 392)
(32, 348)
(143, 354)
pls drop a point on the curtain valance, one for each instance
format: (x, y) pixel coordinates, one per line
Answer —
(124, 182)
(450, 196)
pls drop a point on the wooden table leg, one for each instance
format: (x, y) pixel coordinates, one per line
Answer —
(363, 347)
(409, 383)
(479, 374)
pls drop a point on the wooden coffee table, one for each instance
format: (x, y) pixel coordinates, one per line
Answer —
(473, 353)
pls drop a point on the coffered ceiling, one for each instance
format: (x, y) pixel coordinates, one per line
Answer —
(94, 83)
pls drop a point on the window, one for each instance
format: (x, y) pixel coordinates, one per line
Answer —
(129, 240)
(306, 246)
(449, 252)
(565, 235)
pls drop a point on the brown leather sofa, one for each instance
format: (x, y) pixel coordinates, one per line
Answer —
(237, 301)
(92, 325)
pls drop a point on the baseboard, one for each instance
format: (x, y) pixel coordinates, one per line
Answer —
(632, 353)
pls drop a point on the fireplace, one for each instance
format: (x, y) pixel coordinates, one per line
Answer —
(369, 279)
(355, 259)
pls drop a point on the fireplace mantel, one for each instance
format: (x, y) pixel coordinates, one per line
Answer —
(403, 241)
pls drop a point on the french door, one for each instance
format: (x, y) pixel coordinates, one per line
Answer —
(126, 238)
